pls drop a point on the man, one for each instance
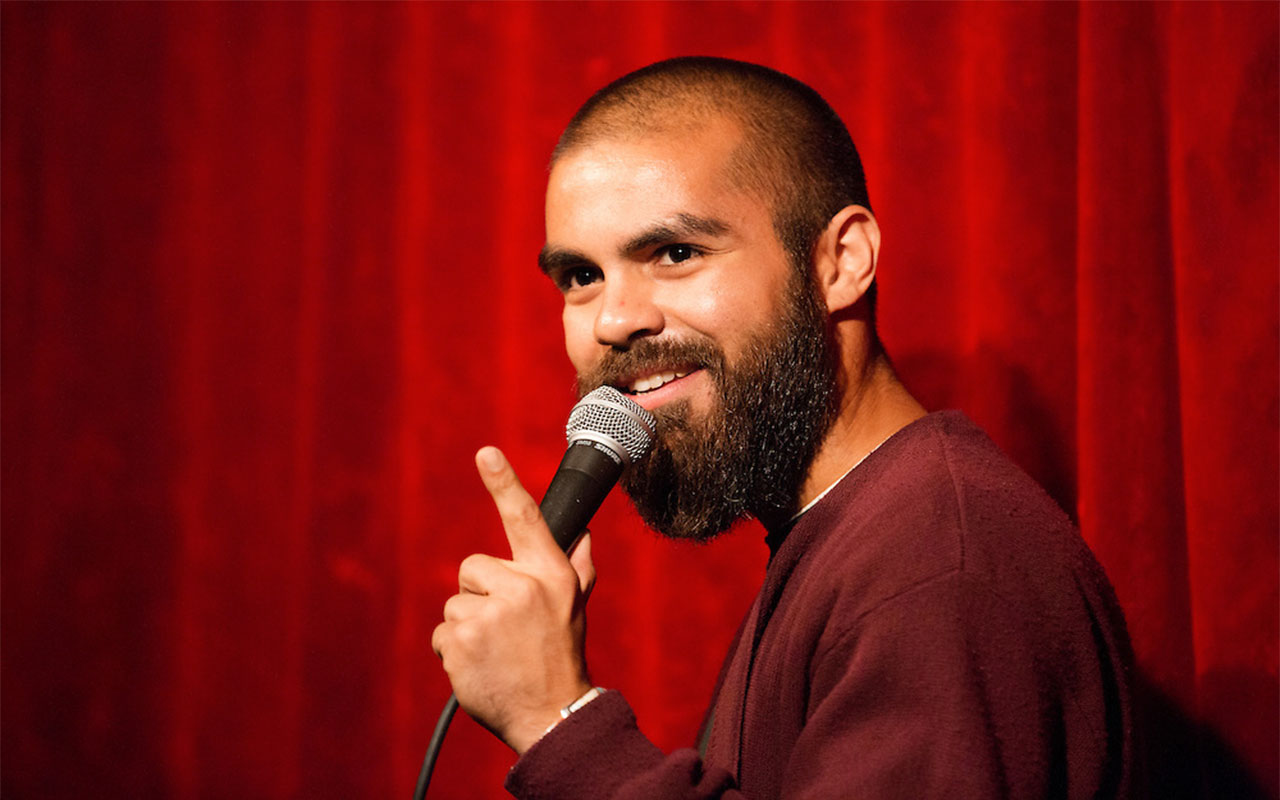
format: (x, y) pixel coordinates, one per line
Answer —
(930, 624)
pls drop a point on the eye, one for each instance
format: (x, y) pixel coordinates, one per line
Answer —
(578, 277)
(677, 253)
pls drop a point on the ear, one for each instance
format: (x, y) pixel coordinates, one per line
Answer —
(844, 259)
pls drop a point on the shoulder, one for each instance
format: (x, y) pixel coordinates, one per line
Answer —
(939, 503)
(941, 589)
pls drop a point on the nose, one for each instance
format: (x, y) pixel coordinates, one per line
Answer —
(627, 311)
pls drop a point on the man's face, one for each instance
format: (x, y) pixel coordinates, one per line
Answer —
(678, 292)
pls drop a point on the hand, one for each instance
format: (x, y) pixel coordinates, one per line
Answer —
(512, 638)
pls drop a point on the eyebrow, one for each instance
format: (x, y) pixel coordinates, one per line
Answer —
(552, 260)
(681, 226)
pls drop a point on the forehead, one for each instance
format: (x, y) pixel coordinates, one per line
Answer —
(612, 186)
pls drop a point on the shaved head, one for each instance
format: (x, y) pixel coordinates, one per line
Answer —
(795, 153)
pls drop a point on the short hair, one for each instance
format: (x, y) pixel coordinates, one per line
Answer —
(796, 152)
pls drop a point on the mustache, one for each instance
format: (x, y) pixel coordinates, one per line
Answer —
(646, 356)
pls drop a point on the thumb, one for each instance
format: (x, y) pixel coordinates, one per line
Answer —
(580, 560)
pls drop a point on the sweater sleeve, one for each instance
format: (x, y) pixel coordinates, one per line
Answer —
(899, 707)
(600, 753)
(945, 692)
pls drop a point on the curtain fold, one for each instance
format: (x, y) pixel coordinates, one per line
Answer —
(269, 281)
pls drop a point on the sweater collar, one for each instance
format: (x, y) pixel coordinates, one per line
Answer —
(774, 538)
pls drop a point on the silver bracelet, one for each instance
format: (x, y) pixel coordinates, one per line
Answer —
(576, 705)
(591, 694)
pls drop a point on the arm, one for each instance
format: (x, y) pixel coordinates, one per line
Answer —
(600, 753)
(945, 690)
(874, 708)
(951, 689)
(512, 644)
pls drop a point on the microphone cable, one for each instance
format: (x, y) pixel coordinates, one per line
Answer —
(433, 749)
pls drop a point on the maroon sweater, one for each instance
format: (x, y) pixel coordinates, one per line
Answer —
(933, 627)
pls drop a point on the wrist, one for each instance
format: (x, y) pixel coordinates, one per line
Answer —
(564, 713)
(535, 725)
(587, 697)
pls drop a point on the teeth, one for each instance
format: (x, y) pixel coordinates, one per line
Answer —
(651, 382)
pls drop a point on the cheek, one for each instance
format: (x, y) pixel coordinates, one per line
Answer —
(724, 306)
(579, 340)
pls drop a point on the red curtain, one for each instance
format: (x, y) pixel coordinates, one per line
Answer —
(269, 281)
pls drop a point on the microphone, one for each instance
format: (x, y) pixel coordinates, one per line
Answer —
(606, 432)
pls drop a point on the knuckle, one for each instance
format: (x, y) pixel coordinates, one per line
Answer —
(524, 590)
(468, 636)
(564, 577)
(503, 483)
(525, 512)
(490, 614)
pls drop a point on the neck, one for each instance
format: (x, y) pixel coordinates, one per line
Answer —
(874, 406)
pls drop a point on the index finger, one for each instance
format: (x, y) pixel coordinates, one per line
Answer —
(527, 532)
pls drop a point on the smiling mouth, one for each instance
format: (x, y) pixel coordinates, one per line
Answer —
(655, 380)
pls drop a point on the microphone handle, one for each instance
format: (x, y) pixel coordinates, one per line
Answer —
(584, 478)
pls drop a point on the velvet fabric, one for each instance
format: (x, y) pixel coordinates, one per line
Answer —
(269, 281)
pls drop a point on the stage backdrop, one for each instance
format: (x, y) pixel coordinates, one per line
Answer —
(269, 281)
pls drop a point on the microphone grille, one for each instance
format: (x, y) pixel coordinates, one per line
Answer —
(608, 416)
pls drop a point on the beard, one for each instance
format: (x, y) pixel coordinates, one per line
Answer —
(748, 455)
